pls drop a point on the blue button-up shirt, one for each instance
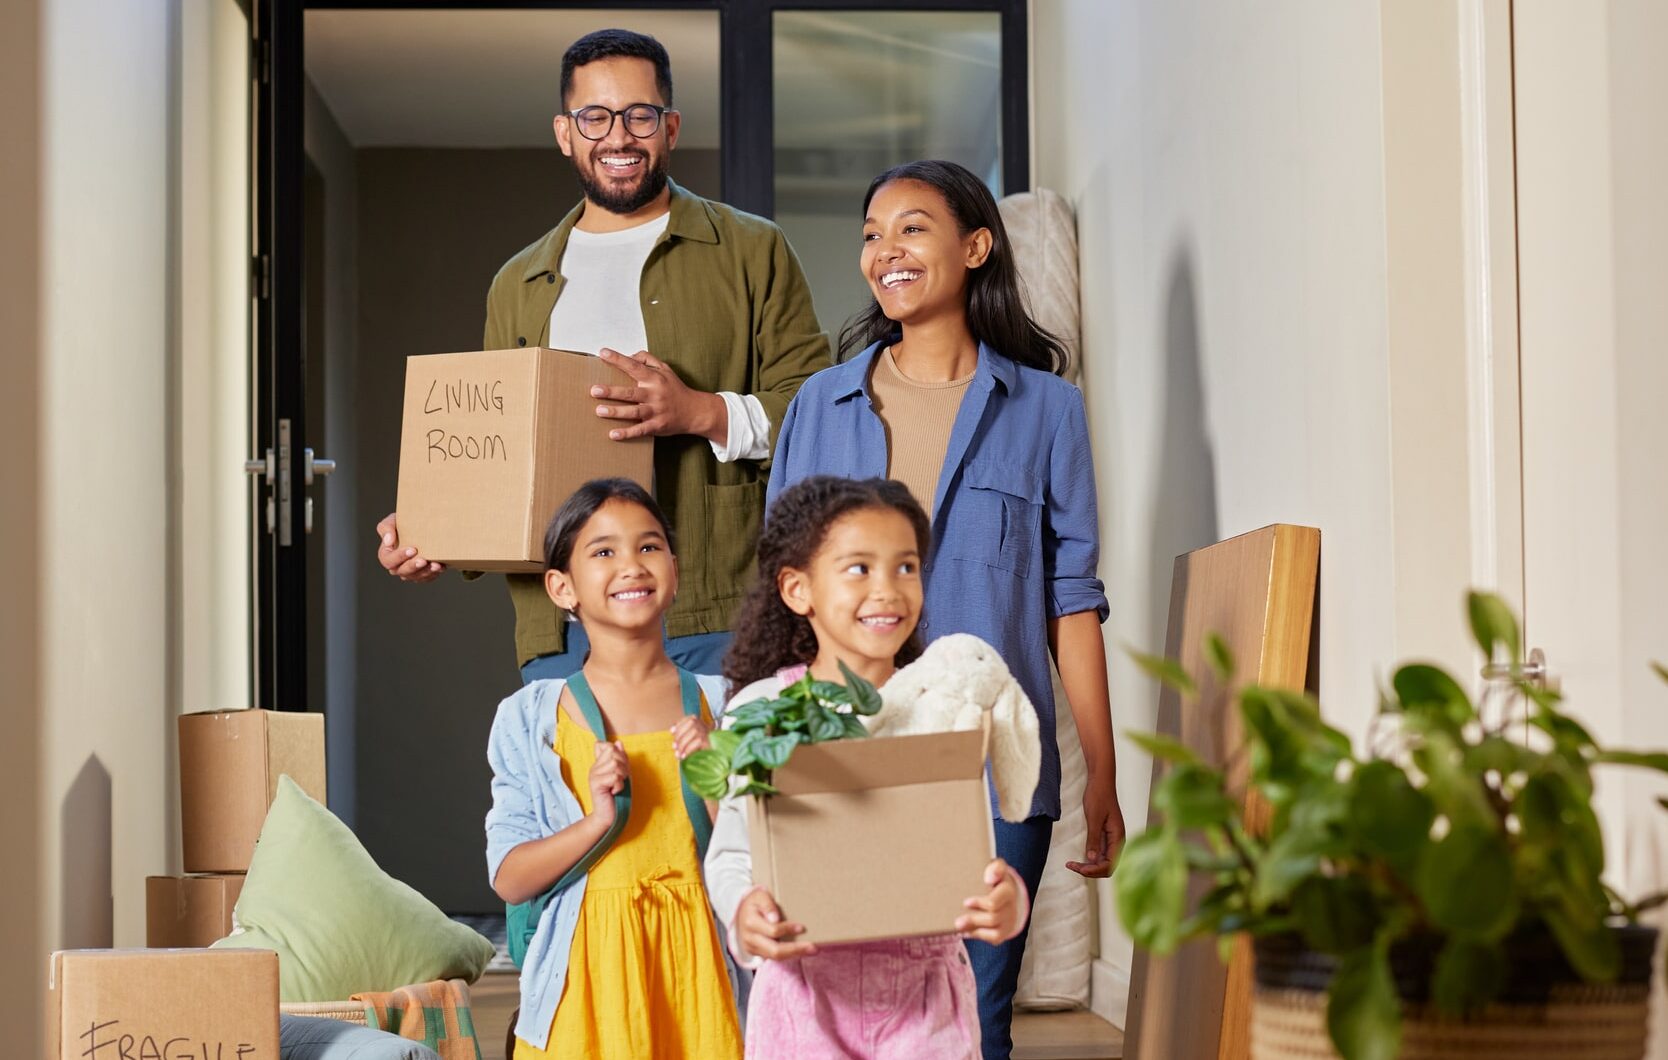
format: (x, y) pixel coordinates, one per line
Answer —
(1015, 534)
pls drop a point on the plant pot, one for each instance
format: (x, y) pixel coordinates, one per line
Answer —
(1545, 1009)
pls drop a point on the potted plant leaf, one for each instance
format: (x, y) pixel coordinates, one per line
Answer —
(1438, 896)
(761, 735)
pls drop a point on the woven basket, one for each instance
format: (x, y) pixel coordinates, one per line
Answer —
(345, 1011)
(1544, 1010)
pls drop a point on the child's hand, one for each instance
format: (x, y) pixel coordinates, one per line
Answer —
(608, 778)
(690, 735)
(761, 931)
(998, 913)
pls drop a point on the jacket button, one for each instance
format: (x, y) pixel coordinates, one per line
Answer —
(550, 277)
(521, 340)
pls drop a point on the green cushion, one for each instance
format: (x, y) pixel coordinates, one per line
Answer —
(339, 923)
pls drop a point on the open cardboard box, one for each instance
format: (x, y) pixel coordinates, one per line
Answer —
(878, 838)
(110, 1004)
(491, 445)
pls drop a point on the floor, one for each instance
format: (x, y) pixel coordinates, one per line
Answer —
(1037, 1035)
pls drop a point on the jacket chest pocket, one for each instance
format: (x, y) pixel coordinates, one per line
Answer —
(1002, 517)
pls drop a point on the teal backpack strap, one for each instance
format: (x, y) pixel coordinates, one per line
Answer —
(521, 920)
(693, 803)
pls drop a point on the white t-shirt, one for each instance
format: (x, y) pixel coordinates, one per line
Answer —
(601, 307)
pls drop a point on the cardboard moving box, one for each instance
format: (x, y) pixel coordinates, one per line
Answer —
(230, 762)
(878, 838)
(492, 443)
(162, 1004)
(189, 911)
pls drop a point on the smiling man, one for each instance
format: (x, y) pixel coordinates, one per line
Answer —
(704, 307)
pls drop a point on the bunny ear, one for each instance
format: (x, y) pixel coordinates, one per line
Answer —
(1016, 752)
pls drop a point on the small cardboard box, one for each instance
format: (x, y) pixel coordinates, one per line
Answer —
(492, 443)
(111, 1004)
(189, 911)
(230, 762)
(875, 839)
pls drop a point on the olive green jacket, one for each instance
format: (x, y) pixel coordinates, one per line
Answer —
(726, 305)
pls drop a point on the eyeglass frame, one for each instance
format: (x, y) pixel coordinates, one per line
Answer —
(616, 116)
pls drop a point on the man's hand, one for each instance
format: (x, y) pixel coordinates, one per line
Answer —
(761, 931)
(659, 402)
(403, 563)
(1105, 821)
(997, 915)
(689, 735)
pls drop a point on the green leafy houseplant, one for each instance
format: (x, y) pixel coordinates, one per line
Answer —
(1454, 832)
(762, 734)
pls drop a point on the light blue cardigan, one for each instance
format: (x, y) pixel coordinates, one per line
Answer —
(530, 800)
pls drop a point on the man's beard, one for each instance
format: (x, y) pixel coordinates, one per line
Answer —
(629, 200)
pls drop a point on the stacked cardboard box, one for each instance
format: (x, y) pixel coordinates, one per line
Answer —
(230, 762)
(109, 1004)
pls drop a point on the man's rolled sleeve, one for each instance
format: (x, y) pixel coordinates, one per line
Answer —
(789, 343)
(1071, 534)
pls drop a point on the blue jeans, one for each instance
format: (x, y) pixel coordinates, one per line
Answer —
(699, 653)
(996, 968)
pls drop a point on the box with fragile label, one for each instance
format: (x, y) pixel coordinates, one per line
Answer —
(173, 1004)
(492, 443)
(230, 762)
(190, 911)
(875, 839)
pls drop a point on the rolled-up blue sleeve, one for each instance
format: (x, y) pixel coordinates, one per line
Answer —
(1071, 532)
(781, 475)
(513, 818)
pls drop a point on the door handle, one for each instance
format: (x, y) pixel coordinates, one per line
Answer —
(1533, 671)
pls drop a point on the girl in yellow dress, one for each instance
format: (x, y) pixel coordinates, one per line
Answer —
(594, 842)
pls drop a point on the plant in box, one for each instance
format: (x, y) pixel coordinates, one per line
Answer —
(1439, 896)
(762, 734)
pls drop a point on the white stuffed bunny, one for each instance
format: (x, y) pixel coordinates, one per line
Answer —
(948, 689)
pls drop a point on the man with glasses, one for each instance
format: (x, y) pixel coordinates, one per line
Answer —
(703, 306)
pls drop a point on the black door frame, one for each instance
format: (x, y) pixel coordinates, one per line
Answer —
(746, 134)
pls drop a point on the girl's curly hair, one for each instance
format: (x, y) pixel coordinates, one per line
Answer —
(768, 636)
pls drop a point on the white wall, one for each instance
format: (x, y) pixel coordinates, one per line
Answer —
(1227, 165)
(107, 298)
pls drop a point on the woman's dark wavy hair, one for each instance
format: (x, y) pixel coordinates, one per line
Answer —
(576, 511)
(995, 307)
(768, 636)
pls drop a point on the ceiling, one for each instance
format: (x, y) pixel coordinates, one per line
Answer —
(453, 78)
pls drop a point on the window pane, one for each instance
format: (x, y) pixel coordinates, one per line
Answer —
(857, 92)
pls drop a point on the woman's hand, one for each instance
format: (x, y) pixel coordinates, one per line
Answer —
(761, 931)
(1105, 821)
(690, 735)
(608, 778)
(997, 914)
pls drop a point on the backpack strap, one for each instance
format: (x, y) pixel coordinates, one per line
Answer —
(693, 701)
(521, 919)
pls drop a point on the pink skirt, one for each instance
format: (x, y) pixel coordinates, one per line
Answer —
(899, 999)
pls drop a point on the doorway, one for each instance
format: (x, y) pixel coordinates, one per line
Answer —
(406, 154)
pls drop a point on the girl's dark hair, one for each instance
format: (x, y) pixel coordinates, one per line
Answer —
(618, 44)
(572, 516)
(768, 636)
(995, 308)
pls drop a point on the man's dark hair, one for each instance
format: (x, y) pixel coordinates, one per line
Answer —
(618, 44)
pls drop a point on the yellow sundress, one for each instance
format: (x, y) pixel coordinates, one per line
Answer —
(646, 976)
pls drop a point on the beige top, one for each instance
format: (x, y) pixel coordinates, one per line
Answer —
(918, 418)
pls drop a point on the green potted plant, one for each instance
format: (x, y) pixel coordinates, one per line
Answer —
(761, 735)
(1440, 895)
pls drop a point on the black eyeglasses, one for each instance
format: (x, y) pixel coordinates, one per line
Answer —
(642, 120)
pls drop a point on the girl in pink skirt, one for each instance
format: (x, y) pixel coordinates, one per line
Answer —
(840, 581)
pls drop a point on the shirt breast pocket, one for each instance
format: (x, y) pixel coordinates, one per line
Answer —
(1007, 497)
